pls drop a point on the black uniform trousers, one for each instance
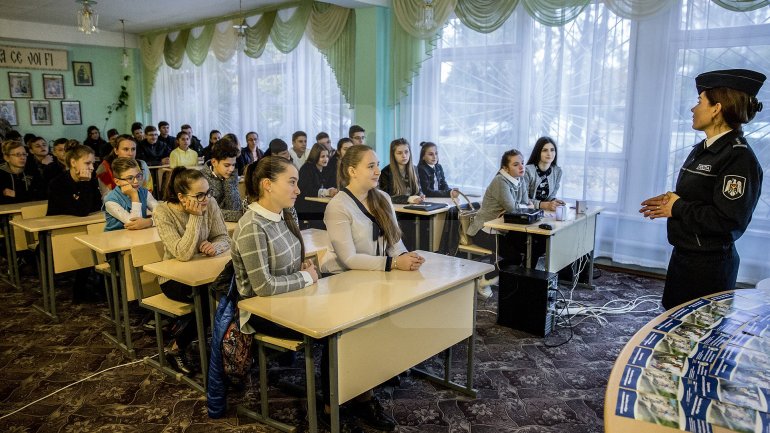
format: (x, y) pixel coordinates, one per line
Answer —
(694, 274)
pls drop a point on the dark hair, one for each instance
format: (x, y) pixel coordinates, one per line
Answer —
(59, 141)
(112, 132)
(534, 157)
(270, 167)
(181, 133)
(120, 165)
(13, 135)
(76, 152)
(277, 145)
(136, 125)
(233, 139)
(379, 205)
(508, 155)
(179, 182)
(162, 123)
(342, 142)
(185, 126)
(298, 134)
(321, 135)
(353, 129)
(315, 153)
(737, 106)
(114, 154)
(212, 132)
(90, 129)
(149, 128)
(424, 146)
(225, 148)
(399, 186)
(251, 132)
(29, 137)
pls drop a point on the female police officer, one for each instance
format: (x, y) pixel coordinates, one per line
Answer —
(716, 192)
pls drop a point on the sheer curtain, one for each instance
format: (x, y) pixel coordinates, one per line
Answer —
(614, 94)
(273, 95)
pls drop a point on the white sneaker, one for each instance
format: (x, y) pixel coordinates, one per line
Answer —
(492, 282)
(484, 291)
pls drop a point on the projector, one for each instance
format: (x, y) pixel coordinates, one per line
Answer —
(523, 216)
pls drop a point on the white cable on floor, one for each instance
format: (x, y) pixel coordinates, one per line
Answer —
(75, 383)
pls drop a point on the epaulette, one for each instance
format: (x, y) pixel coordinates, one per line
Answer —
(740, 142)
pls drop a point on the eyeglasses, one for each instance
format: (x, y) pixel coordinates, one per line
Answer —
(19, 155)
(201, 196)
(139, 177)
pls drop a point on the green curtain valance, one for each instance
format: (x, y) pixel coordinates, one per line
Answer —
(328, 27)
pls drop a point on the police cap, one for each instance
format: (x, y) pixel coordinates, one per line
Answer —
(739, 79)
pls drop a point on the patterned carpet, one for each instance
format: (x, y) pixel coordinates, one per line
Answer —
(523, 385)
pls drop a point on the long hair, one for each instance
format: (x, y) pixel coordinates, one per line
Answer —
(379, 205)
(424, 146)
(179, 182)
(411, 187)
(506, 158)
(315, 154)
(534, 157)
(114, 154)
(270, 167)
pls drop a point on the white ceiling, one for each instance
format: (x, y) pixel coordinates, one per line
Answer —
(143, 15)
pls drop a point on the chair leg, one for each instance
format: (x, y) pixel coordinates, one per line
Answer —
(159, 338)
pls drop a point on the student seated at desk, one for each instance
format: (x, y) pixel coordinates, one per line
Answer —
(125, 147)
(127, 205)
(75, 192)
(182, 155)
(506, 193)
(543, 175)
(432, 180)
(314, 181)
(59, 165)
(189, 222)
(364, 235)
(399, 178)
(222, 177)
(17, 185)
(334, 162)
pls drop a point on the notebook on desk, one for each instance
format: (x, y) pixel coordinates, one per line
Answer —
(426, 206)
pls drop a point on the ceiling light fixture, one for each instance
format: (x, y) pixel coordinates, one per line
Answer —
(425, 22)
(240, 42)
(124, 62)
(88, 18)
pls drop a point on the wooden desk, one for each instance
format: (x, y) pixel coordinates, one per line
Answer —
(567, 242)
(7, 212)
(59, 230)
(115, 246)
(382, 323)
(614, 423)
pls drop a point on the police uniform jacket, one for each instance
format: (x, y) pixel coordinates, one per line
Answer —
(719, 187)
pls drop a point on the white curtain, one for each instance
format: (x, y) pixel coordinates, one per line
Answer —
(273, 95)
(614, 94)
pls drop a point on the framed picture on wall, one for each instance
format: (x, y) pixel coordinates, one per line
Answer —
(8, 112)
(70, 113)
(40, 112)
(20, 84)
(53, 86)
(82, 74)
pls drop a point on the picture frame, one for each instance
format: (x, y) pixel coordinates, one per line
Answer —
(70, 113)
(20, 84)
(40, 112)
(8, 112)
(82, 74)
(53, 86)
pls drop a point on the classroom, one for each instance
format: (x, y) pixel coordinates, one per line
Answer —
(384, 215)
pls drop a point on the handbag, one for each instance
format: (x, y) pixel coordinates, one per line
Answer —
(236, 351)
(466, 214)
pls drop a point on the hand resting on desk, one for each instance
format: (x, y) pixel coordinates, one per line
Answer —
(408, 261)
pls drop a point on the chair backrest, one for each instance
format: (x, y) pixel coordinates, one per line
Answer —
(143, 255)
(24, 239)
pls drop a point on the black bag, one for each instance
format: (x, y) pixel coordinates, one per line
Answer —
(225, 280)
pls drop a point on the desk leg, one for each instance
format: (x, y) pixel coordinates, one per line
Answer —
(312, 415)
(122, 292)
(529, 251)
(41, 262)
(10, 249)
(117, 339)
(46, 276)
(431, 228)
(201, 334)
(334, 395)
(49, 266)
(417, 240)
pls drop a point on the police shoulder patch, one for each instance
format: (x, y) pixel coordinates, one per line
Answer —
(734, 186)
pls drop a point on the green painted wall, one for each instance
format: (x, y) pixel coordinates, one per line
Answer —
(107, 78)
(372, 56)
